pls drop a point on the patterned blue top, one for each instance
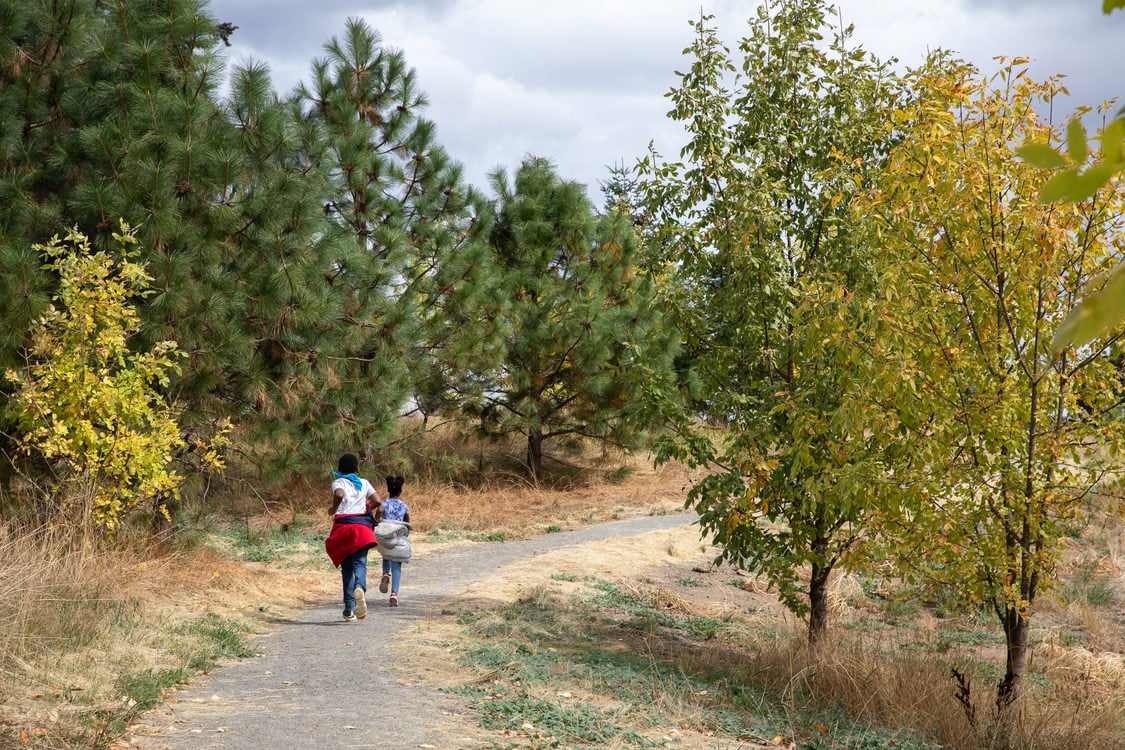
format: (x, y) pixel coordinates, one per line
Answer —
(394, 509)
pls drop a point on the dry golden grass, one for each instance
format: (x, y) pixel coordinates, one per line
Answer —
(517, 510)
(888, 675)
(74, 619)
(72, 622)
(505, 503)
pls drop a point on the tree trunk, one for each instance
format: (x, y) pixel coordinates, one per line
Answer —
(818, 604)
(1015, 637)
(163, 509)
(535, 454)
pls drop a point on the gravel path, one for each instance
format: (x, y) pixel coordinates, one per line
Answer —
(304, 690)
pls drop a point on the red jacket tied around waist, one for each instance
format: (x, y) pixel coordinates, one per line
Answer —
(350, 533)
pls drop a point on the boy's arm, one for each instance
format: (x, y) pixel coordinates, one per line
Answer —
(337, 497)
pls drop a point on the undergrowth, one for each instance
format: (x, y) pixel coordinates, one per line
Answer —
(604, 664)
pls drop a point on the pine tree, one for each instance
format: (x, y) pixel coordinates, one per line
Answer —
(285, 261)
(114, 113)
(584, 324)
(423, 317)
(39, 62)
(152, 146)
(109, 115)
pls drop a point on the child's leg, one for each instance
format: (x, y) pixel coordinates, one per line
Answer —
(360, 568)
(396, 575)
(347, 574)
(385, 580)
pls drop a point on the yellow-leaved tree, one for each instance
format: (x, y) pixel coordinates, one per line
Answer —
(89, 412)
(1013, 437)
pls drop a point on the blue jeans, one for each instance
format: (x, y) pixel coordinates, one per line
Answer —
(354, 572)
(394, 567)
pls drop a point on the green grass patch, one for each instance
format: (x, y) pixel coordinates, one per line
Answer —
(949, 639)
(1097, 592)
(138, 692)
(446, 534)
(294, 543)
(614, 669)
(214, 638)
(553, 722)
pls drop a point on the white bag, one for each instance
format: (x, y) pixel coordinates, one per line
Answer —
(394, 540)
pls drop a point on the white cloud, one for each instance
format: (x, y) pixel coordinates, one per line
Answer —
(581, 82)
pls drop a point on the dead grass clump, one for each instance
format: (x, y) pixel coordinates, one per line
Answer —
(663, 599)
(519, 509)
(916, 694)
(1081, 669)
(54, 596)
(75, 620)
(755, 584)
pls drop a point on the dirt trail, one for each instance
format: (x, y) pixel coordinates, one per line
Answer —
(324, 683)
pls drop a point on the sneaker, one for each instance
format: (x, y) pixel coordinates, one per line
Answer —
(348, 615)
(384, 583)
(394, 600)
(360, 603)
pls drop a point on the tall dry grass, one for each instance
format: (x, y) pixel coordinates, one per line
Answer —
(57, 600)
(76, 618)
(53, 594)
(462, 483)
(918, 692)
(1074, 700)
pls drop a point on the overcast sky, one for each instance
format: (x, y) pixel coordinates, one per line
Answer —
(582, 82)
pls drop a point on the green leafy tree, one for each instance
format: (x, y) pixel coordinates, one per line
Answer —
(1010, 436)
(423, 311)
(85, 402)
(772, 289)
(583, 319)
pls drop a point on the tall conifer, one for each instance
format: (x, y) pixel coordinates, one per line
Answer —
(584, 323)
(285, 260)
(39, 61)
(421, 299)
(115, 113)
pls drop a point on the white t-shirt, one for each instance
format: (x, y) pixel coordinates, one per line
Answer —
(355, 501)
